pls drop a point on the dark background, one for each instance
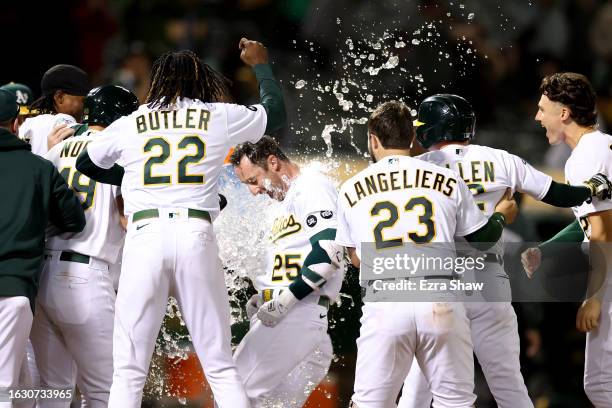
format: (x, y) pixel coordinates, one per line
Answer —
(494, 53)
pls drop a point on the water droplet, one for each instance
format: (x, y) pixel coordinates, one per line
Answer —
(416, 41)
(400, 44)
(369, 98)
(300, 84)
(358, 62)
(182, 401)
(471, 16)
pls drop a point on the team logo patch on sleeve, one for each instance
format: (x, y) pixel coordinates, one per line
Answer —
(327, 214)
(311, 221)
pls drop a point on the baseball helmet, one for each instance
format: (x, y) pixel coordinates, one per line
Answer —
(24, 96)
(106, 104)
(444, 117)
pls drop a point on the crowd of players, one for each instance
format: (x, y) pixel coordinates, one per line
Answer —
(144, 183)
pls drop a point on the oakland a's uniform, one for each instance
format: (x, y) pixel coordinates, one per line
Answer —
(402, 200)
(36, 130)
(593, 154)
(172, 159)
(487, 172)
(73, 326)
(281, 365)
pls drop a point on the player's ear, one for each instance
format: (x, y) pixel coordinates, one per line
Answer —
(58, 98)
(15, 125)
(374, 142)
(273, 162)
(565, 113)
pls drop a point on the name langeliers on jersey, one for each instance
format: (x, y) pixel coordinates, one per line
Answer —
(400, 180)
(169, 119)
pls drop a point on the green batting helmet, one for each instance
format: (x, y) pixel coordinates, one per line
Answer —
(106, 104)
(24, 96)
(444, 117)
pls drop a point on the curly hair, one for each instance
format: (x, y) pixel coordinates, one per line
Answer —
(391, 122)
(574, 91)
(258, 153)
(181, 74)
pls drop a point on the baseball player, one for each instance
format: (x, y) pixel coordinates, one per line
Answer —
(73, 327)
(24, 98)
(172, 149)
(567, 110)
(396, 201)
(303, 274)
(63, 91)
(446, 126)
(38, 195)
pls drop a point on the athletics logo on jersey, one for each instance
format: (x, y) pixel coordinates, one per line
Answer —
(311, 221)
(393, 160)
(284, 226)
(327, 214)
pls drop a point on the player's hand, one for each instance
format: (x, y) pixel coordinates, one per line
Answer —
(508, 207)
(253, 305)
(600, 186)
(587, 318)
(531, 259)
(59, 133)
(253, 52)
(273, 311)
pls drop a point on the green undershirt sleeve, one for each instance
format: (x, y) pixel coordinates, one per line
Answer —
(572, 233)
(563, 195)
(489, 234)
(271, 97)
(113, 176)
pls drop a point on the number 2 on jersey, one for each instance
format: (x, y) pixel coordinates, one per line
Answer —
(165, 151)
(424, 219)
(81, 184)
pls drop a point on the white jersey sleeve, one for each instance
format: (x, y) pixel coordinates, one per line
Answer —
(36, 130)
(105, 150)
(318, 211)
(245, 123)
(343, 235)
(525, 178)
(469, 217)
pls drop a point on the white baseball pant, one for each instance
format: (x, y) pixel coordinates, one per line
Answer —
(494, 332)
(598, 360)
(15, 324)
(172, 255)
(73, 328)
(282, 365)
(392, 333)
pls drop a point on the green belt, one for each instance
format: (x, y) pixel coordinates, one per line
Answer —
(268, 294)
(154, 213)
(74, 257)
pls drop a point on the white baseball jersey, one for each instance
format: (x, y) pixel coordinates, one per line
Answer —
(488, 172)
(36, 130)
(592, 154)
(103, 235)
(430, 202)
(309, 207)
(172, 158)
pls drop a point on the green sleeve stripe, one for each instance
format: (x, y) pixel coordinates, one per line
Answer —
(489, 234)
(563, 195)
(313, 276)
(300, 288)
(328, 234)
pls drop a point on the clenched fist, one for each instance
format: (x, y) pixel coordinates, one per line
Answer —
(531, 259)
(253, 52)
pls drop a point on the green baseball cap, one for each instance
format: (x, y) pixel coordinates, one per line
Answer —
(24, 96)
(8, 105)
